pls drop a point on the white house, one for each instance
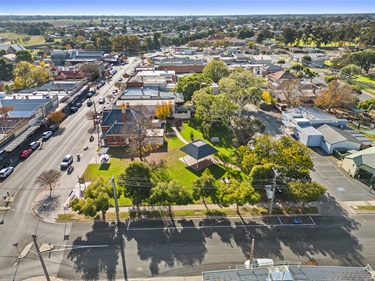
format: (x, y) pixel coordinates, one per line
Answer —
(316, 128)
(359, 162)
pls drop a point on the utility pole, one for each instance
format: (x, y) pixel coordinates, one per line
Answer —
(40, 257)
(115, 197)
(251, 253)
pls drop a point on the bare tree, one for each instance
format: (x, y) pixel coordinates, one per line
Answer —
(48, 179)
(141, 131)
(291, 91)
(91, 116)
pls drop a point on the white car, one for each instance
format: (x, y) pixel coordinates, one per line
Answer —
(46, 135)
(6, 172)
(34, 145)
(67, 161)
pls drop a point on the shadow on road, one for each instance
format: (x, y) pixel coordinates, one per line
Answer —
(162, 245)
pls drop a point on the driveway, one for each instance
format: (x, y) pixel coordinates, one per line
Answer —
(339, 184)
(269, 118)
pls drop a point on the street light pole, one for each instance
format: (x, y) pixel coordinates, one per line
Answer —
(276, 174)
(40, 257)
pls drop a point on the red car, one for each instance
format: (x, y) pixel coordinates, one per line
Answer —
(26, 153)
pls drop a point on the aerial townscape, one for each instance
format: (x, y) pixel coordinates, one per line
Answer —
(179, 143)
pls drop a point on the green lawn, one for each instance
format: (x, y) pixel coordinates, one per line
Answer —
(366, 78)
(37, 39)
(366, 82)
(178, 170)
(224, 146)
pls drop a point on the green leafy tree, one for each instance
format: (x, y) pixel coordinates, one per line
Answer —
(213, 109)
(290, 157)
(288, 35)
(48, 180)
(136, 182)
(242, 87)
(304, 192)
(24, 55)
(215, 70)
(96, 198)
(6, 70)
(350, 71)
(168, 193)
(189, 84)
(28, 75)
(205, 187)
(237, 193)
(296, 67)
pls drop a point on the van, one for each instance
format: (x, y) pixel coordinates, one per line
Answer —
(259, 263)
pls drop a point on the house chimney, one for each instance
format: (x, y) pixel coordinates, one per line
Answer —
(123, 115)
(158, 93)
(27, 97)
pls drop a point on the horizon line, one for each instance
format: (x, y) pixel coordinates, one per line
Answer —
(189, 15)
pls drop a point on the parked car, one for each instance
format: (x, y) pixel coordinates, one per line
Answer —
(26, 153)
(89, 103)
(4, 173)
(120, 79)
(46, 135)
(34, 145)
(101, 100)
(53, 127)
(78, 104)
(67, 161)
(73, 109)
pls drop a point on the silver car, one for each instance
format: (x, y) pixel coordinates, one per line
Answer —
(6, 172)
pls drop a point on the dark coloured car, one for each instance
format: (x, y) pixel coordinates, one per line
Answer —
(89, 103)
(78, 104)
(73, 109)
(53, 127)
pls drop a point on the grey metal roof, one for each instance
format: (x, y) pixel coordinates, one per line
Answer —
(115, 115)
(316, 273)
(334, 134)
(198, 149)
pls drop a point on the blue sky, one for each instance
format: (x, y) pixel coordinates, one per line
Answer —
(183, 7)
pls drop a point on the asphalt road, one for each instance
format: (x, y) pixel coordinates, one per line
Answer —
(19, 222)
(151, 248)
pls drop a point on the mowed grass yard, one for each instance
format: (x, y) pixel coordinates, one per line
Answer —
(35, 39)
(366, 82)
(170, 152)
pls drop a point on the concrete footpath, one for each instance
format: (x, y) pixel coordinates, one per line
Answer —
(187, 278)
